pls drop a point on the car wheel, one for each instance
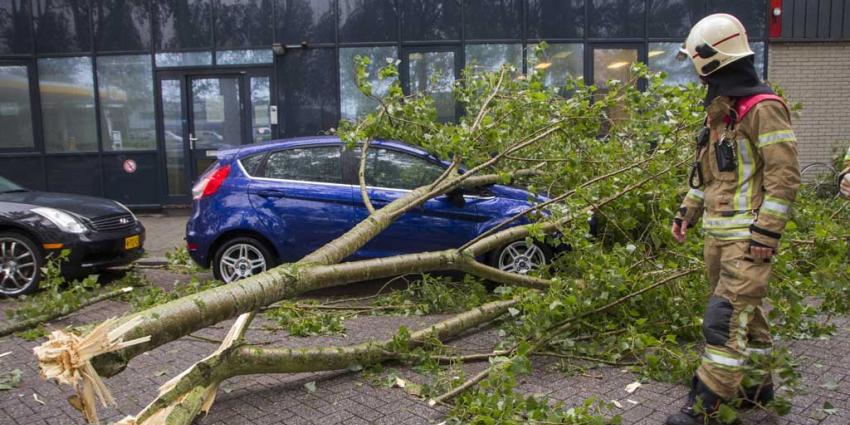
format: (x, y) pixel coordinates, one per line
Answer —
(20, 264)
(241, 257)
(521, 257)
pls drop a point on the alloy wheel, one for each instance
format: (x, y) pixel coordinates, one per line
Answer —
(241, 260)
(18, 268)
(521, 257)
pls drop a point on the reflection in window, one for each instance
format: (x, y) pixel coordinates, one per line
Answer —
(122, 24)
(321, 164)
(559, 62)
(391, 169)
(490, 57)
(67, 104)
(753, 14)
(616, 18)
(164, 60)
(243, 23)
(430, 19)
(172, 125)
(613, 64)
(15, 33)
(662, 57)
(307, 97)
(261, 129)
(367, 21)
(555, 18)
(758, 49)
(488, 19)
(243, 57)
(125, 87)
(312, 21)
(61, 25)
(15, 113)
(433, 73)
(353, 104)
(216, 112)
(183, 24)
(673, 18)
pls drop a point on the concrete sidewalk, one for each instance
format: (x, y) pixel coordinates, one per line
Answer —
(165, 232)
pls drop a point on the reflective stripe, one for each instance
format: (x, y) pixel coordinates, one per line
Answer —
(774, 137)
(722, 359)
(759, 351)
(775, 207)
(744, 192)
(735, 222)
(696, 194)
(729, 235)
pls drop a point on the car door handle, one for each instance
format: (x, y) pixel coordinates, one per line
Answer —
(271, 193)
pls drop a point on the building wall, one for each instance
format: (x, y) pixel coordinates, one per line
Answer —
(817, 75)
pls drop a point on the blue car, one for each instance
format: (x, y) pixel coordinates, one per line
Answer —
(261, 205)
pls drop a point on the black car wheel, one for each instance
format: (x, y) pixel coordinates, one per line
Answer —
(241, 257)
(20, 264)
(520, 257)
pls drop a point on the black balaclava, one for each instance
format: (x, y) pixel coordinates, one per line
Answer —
(738, 79)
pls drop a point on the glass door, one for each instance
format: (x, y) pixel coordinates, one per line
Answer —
(203, 113)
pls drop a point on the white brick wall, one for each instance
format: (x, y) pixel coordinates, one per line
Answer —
(818, 76)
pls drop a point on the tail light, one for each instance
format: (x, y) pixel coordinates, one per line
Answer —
(209, 183)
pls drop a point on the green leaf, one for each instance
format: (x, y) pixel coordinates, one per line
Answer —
(310, 386)
(726, 414)
(829, 409)
(11, 379)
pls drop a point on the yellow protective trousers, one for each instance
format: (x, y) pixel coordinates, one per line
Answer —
(734, 324)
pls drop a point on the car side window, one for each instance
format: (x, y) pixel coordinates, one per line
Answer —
(316, 164)
(399, 170)
(251, 163)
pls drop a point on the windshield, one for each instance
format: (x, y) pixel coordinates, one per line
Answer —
(7, 186)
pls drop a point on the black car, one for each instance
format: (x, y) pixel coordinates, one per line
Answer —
(34, 225)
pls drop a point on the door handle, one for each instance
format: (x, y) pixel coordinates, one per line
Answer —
(270, 193)
(192, 140)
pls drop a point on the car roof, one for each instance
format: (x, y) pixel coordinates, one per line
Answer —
(295, 142)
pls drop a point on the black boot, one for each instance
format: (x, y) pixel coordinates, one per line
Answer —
(689, 415)
(756, 395)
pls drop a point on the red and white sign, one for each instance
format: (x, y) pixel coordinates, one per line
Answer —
(130, 166)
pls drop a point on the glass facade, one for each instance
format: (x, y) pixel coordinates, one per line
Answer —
(109, 80)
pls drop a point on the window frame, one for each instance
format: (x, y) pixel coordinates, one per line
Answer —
(35, 108)
(262, 167)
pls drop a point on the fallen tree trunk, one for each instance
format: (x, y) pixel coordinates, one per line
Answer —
(184, 398)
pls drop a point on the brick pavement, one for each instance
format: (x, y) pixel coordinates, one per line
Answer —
(348, 398)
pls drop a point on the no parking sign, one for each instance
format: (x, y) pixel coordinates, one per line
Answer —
(129, 166)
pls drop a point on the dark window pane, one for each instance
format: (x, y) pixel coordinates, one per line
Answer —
(397, 170)
(61, 25)
(353, 104)
(173, 130)
(662, 57)
(616, 18)
(673, 18)
(67, 104)
(183, 24)
(367, 20)
(490, 57)
(493, 19)
(430, 19)
(305, 20)
(243, 23)
(753, 14)
(308, 97)
(758, 49)
(308, 164)
(261, 128)
(555, 19)
(15, 112)
(122, 24)
(558, 63)
(183, 59)
(125, 87)
(433, 73)
(15, 33)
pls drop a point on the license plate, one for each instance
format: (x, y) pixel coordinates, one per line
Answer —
(131, 242)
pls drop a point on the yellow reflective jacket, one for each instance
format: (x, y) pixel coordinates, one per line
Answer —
(753, 201)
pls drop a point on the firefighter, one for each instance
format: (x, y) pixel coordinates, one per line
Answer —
(844, 177)
(743, 183)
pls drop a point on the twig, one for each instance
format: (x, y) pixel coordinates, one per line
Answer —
(585, 358)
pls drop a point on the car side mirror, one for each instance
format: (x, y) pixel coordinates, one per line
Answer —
(455, 197)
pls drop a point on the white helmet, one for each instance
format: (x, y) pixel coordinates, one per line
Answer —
(714, 42)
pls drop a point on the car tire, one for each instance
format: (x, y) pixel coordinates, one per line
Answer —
(21, 260)
(520, 257)
(241, 257)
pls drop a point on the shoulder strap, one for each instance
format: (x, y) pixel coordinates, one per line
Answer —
(747, 103)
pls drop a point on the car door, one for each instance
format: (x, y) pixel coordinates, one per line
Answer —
(438, 224)
(300, 195)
